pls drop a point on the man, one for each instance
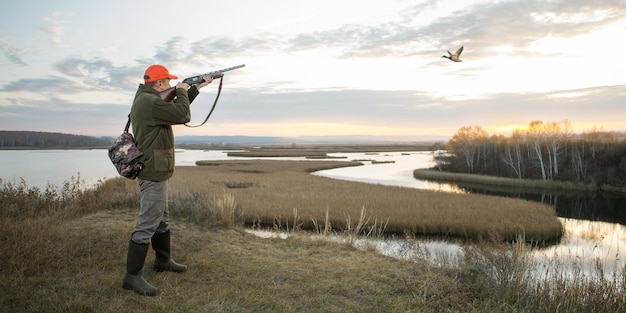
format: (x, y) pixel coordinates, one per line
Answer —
(152, 119)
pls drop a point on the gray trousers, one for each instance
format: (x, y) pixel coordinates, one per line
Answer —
(153, 212)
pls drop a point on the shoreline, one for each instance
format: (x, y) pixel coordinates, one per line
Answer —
(533, 184)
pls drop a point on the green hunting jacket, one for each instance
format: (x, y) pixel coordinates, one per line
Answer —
(152, 119)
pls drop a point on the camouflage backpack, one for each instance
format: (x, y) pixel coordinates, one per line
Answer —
(125, 155)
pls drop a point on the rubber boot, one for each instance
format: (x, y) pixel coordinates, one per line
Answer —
(163, 262)
(134, 264)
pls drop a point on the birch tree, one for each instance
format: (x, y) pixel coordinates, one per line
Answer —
(513, 154)
(466, 144)
(555, 138)
(535, 142)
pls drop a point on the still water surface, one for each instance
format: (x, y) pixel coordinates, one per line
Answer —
(592, 232)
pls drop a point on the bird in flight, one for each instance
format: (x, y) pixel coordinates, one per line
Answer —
(454, 57)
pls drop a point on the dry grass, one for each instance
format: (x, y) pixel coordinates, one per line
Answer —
(278, 153)
(435, 175)
(74, 266)
(66, 253)
(267, 192)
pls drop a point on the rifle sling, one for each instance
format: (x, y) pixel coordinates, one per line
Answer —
(127, 124)
(219, 91)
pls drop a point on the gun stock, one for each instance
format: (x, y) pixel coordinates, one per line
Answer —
(169, 94)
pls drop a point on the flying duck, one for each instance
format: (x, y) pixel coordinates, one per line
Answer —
(454, 57)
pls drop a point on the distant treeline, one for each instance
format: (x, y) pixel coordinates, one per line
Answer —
(547, 151)
(31, 139)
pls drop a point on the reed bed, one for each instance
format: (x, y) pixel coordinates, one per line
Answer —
(278, 153)
(436, 175)
(267, 192)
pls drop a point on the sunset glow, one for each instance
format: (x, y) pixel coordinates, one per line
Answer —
(367, 68)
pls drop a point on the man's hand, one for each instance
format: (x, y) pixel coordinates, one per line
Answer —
(183, 86)
(207, 80)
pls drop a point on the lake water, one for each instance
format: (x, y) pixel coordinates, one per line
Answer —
(42, 167)
(592, 231)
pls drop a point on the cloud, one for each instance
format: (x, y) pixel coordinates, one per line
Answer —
(367, 109)
(518, 23)
(488, 25)
(213, 50)
(100, 73)
(8, 115)
(78, 81)
(55, 29)
(41, 85)
(53, 116)
(172, 52)
(75, 76)
(406, 108)
(13, 53)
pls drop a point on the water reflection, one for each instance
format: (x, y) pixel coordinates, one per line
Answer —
(593, 206)
(388, 168)
(590, 248)
(452, 188)
(41, 168)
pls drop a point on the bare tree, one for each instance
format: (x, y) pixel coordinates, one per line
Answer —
(555, 138)
(513, 154)
(535, 142)
(439, 157)
(579, 164)
(466, 143)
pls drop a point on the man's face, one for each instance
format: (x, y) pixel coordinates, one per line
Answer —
(162, 84)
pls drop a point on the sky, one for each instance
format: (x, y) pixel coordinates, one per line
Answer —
(319, 68)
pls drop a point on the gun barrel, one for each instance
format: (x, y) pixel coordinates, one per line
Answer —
(215, 74)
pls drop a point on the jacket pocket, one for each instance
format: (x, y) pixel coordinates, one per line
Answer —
(163, 160)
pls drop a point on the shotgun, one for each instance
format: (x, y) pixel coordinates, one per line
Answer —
(169, 94)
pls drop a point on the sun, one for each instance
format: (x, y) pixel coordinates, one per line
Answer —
(505, 129)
